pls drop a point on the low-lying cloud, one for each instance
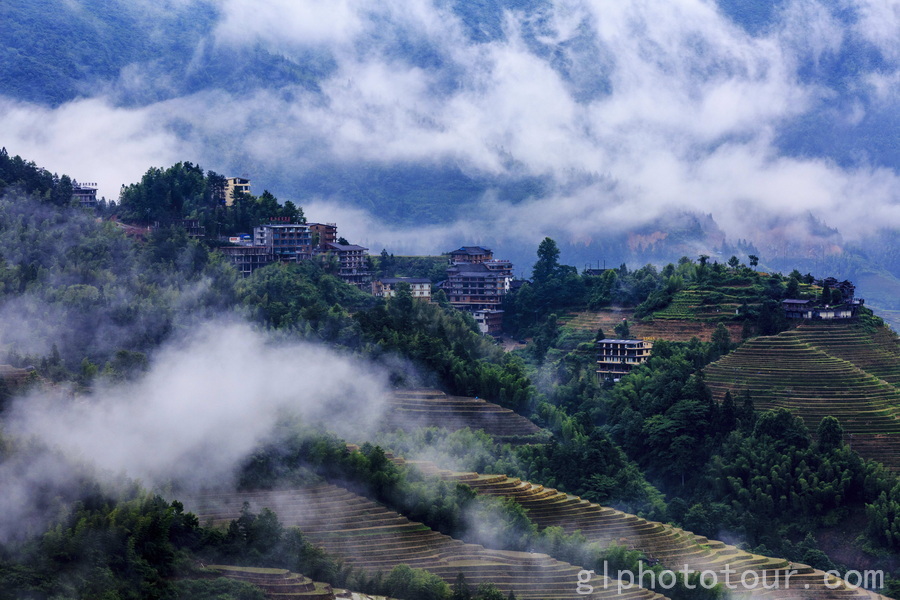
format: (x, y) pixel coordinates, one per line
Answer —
(206, 403)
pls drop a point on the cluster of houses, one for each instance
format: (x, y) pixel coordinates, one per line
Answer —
(285, 241)
(476, 281)
(841, 303)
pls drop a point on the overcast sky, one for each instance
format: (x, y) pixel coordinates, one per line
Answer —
(629, 108)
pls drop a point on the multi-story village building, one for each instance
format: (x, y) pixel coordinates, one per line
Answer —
(247, 259)
(353, 263)
(618, 357)
(477, 282)
(386, 287)
(477, 286)
(85, 194)
(322, 233)
(288, 242)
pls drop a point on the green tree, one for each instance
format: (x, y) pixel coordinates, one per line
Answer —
(729, 413)
(547, 265)
(793, 287)
(721, 339)
(402, 302)
(461, 590)
(754, 260)
(623, 330)
(830, 435)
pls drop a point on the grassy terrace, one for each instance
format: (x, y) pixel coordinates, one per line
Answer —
(432, 408)
(695, 304)
(822, 369)
(680, 330)
(674, 547)
(368, 536)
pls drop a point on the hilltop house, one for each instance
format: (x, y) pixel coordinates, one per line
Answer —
(809, 309)
(618, 357)
(13, 376)
(385, 287)
(240, 185)
(827, 309)
(85, 194)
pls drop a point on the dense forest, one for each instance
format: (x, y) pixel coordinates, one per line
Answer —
(84, 304)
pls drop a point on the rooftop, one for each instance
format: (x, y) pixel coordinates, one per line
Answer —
(472, 250)
(344, 247)
(612, 341)
(405, 280)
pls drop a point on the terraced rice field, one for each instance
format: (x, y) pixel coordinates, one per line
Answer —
(673, 547)
(415, 408)
(818, 370)
(370, 537)
(878, 354)
(279, 583)
(677, 330)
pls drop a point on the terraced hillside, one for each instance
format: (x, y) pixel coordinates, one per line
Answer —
(416, 408)
(673, 547)
(370, 537)
(706, 304)
(878, 353)
(678, 330)
(822, 369)
(279, 583)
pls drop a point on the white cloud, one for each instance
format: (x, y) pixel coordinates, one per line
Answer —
(90, 140)
(879, 23)
(688, 117)
(290, 23)
(205, 404)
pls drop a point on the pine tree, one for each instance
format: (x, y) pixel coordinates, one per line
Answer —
(728, 413)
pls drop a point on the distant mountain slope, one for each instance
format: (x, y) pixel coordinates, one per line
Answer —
(821, 369)
(53, 51)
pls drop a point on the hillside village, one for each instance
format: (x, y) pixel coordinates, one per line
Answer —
(706, 416)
